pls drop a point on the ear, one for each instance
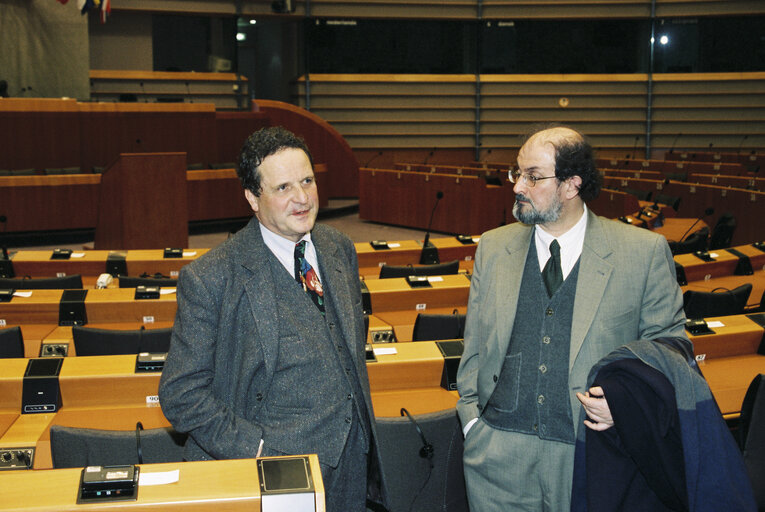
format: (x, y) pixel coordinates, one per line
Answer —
(252, 199)
(572, 186)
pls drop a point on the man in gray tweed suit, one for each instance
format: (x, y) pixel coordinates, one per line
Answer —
(267, 352)
(550, 296)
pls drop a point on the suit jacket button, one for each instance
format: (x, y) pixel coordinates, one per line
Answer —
(259, 397)
(348, 419)
(495, 378)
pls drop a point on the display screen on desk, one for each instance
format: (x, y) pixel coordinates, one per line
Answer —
(284, 475)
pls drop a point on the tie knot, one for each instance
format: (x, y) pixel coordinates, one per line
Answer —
(555, 248)
(300, 248)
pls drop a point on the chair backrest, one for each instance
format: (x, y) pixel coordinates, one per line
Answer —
(71, 282)
(722, 233)
(101, 342)
(438, 327)
(11, 342)
(751, 432)
(412, 483)
(716, 303)
(697, 241)
(440, 269)
(134, 282)
(671, 201)
(79, 447)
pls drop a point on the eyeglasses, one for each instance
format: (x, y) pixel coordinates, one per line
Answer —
(528, 179)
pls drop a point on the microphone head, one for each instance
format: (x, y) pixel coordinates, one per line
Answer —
(439, 194)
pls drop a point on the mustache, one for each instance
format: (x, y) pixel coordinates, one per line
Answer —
(521, 197)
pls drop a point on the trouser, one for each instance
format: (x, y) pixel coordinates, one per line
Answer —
(508, 471)
(345, 486)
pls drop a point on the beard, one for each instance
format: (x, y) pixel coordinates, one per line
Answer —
(529, 214)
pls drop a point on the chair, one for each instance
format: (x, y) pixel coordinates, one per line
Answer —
(134, 282)
(414, 482)
(722, 233)
(224, 165)
(751, 436)
(79, 447)
(198, 166)
(62, 170)
(46, 283)
(103, 342)
(696, 242)
(714, 303)
(11, 343)
(440, 269)
(642, 195)
(671, 201)
(429, 327)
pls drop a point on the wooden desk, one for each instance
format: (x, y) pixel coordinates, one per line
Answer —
(230, 485)
(102, 306)
(402, 322)
(724, 263)
(395, 294)
(92, 263)
(729, 378)
(738, 336)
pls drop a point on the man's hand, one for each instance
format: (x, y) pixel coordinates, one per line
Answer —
(596, 407)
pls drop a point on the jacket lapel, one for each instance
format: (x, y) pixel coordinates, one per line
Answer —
(259, 286)
(335, 276)
(509, 275)
(594, 273)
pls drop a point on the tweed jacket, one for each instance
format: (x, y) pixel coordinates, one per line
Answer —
(225, 345)
(626, 290)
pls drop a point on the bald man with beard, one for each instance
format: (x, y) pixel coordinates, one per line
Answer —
(550, 296)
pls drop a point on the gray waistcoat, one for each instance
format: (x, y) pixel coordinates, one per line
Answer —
(314, 366)
(532, 394)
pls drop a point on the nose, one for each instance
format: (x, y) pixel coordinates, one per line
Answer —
(520, 185)
(300, 195)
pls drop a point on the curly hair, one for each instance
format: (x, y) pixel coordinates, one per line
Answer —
(574, 156)
(260, 145)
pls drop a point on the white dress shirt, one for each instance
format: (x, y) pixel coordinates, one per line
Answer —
(284, 250)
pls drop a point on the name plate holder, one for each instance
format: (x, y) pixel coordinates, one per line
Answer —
(286, 484)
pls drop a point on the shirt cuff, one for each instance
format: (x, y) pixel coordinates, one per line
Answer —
(468, 427)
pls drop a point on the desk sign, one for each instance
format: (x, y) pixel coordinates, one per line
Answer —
(286, 484)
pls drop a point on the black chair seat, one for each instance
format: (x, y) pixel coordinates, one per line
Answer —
(79, 447)
(717, 302)
(73, 282)
(440, 269)
(11, 342)
(429, 327)
(103, 342)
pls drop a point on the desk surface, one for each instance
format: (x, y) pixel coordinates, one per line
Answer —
(230, 485)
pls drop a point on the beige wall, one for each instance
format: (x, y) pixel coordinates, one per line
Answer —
(123, 42)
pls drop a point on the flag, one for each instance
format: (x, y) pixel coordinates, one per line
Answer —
(106, 9)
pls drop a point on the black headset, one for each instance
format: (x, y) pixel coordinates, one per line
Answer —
(426, 450)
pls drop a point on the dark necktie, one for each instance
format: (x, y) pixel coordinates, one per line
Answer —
(552, 274)
(306, 276)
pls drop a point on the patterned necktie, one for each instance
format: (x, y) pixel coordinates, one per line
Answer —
(306, 276)
(552, 274)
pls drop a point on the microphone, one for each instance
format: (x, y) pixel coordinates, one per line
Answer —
(429, 255)
(429, 155)
(6, 266)
(379, 154)
(740, 144)
(672, 149)
(634, 147)
(709, 211)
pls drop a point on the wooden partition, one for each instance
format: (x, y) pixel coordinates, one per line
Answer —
(469, 205)
(747, 206)
(142, 203)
